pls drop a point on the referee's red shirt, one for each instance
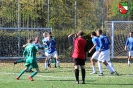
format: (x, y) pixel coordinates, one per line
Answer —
(79, 48)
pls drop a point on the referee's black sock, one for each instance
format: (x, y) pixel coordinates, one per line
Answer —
(83, 75)
(77, 74)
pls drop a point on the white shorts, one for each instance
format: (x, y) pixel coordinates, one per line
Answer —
(104, 56)
(54, 54)
(130, 53)
(95, 55)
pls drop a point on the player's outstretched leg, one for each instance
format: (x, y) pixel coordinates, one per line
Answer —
(112, 66)
(21, 73)
(108, 66)
(19, 61)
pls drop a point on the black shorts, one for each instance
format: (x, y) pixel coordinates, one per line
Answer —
(78, 61)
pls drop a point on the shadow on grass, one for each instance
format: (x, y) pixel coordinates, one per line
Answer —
(109, 84)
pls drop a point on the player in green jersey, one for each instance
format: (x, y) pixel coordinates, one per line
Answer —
(30, 54)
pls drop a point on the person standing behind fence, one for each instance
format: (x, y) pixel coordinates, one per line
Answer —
(79, 56)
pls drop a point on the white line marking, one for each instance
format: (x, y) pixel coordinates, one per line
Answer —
(67, 77)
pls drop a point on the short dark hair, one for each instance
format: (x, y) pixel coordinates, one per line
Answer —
(100, 31)
(29, 40)
(81, 33)
(50, 32)
(93, 33)
(131, 32)
(51, 37)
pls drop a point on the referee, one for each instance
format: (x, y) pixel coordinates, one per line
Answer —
(79, 56)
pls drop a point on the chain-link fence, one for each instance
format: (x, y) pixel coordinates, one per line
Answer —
(63, 16)
(118, 32)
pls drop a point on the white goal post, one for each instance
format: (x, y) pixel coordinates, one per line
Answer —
(118, 31)
(12, 39)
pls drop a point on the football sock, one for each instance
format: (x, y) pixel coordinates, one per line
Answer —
(21, 73)
(111, 70)
(34, 73)
(100, 67)
(20, 61)
(58, 63)
(46, 64)
(77, 74)
(128, 62)
(94, 69)
(111, 65)
(83, 74)
(54, 60)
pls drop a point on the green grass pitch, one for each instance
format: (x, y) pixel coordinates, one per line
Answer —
(64, 77)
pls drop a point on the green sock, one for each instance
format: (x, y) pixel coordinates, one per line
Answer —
(32, 75)
(21, 73)
(54, 60)
(20, 61)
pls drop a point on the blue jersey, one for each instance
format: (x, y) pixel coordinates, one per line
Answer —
(104, 42)
(129, 43)
(95, 40)
(51, 46)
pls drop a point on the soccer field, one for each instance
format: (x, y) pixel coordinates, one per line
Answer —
(64, 77)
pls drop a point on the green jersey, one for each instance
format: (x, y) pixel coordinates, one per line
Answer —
(30, 52)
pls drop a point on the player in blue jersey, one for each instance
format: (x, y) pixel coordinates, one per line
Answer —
(44, 40)
(129, 43)
(51, 51)
(104, 53)
(96, 46)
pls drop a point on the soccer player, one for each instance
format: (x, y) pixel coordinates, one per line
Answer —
(30, 54)
(51, 51)
(129, 43)
(96, 46)
(104, 55)
(79, 56)
(37, 44)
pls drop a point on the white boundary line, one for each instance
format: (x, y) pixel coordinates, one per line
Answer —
(69, 77)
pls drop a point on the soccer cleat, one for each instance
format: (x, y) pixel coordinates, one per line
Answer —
(101, 74)
(112, 72)
(55, 66)
(17, 78)
(15, 62)
(117, 73)
(93, 73)
(30, 78)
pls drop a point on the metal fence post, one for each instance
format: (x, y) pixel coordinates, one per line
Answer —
(19, 25)
(75, 17)
(112, 48)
